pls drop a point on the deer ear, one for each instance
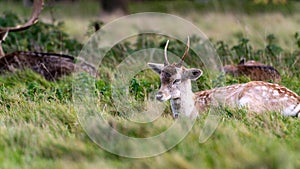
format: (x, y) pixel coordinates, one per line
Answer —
(193, 74)
(156, 67)
(242, 61)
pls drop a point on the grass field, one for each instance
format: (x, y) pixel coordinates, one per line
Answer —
(39, 126)
(219, 20)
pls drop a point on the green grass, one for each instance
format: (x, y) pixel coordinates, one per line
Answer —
(38, 132)
(39, 126)
(39, 129)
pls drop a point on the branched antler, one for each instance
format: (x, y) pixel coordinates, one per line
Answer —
(37, 8)
(52, 66)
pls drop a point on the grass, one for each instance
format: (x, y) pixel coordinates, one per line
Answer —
(45, 133)
(39, 129)
(39, 126)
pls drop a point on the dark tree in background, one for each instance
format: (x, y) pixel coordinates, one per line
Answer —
(110, 6)
(114, 5)
(27, 2)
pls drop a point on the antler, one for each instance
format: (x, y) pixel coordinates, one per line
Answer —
(185, 53)
(2, 37)
(37, 8)
(166, 56)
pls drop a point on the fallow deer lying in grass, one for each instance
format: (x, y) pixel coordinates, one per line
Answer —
(50, 65)
(254, 70)
(256, 96)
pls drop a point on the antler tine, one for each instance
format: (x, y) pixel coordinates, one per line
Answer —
(166, 56)
(3, 35)
(37, 8)
(185, 53)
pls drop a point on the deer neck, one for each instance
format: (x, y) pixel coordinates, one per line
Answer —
(183, 105)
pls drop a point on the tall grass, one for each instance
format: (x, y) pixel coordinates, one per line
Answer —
(39, 129)
(39, 126)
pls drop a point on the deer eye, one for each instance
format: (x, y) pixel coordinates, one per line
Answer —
(176, 81)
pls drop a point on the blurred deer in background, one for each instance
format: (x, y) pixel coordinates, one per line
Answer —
(256, 71)
(257, 96)
(50, 65)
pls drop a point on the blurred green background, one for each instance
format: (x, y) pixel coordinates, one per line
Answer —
(220, 20)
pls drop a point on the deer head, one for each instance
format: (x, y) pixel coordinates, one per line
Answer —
(37, 8)
(175, 79)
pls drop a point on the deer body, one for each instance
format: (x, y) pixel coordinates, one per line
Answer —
(256, 96)
(254, 70)
(50, 65)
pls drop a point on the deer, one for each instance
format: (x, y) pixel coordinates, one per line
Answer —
(51, 66)
(256, 71)
(256, 96)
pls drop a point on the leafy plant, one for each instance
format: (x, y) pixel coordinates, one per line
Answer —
(272, 49)
(243, 48)
(42, 37)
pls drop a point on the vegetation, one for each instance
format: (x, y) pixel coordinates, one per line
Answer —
(39, 126)
(41, 37)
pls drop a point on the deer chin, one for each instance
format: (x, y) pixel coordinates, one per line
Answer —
(163, 98)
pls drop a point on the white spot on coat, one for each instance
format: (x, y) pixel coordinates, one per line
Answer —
(243, 102)
(296, 110)
(289, 110)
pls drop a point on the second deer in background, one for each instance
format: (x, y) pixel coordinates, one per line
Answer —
(256, 71)
(52, 66)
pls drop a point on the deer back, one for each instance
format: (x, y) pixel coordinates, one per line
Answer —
(257, 96)
(52, 66)
(256, 71)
